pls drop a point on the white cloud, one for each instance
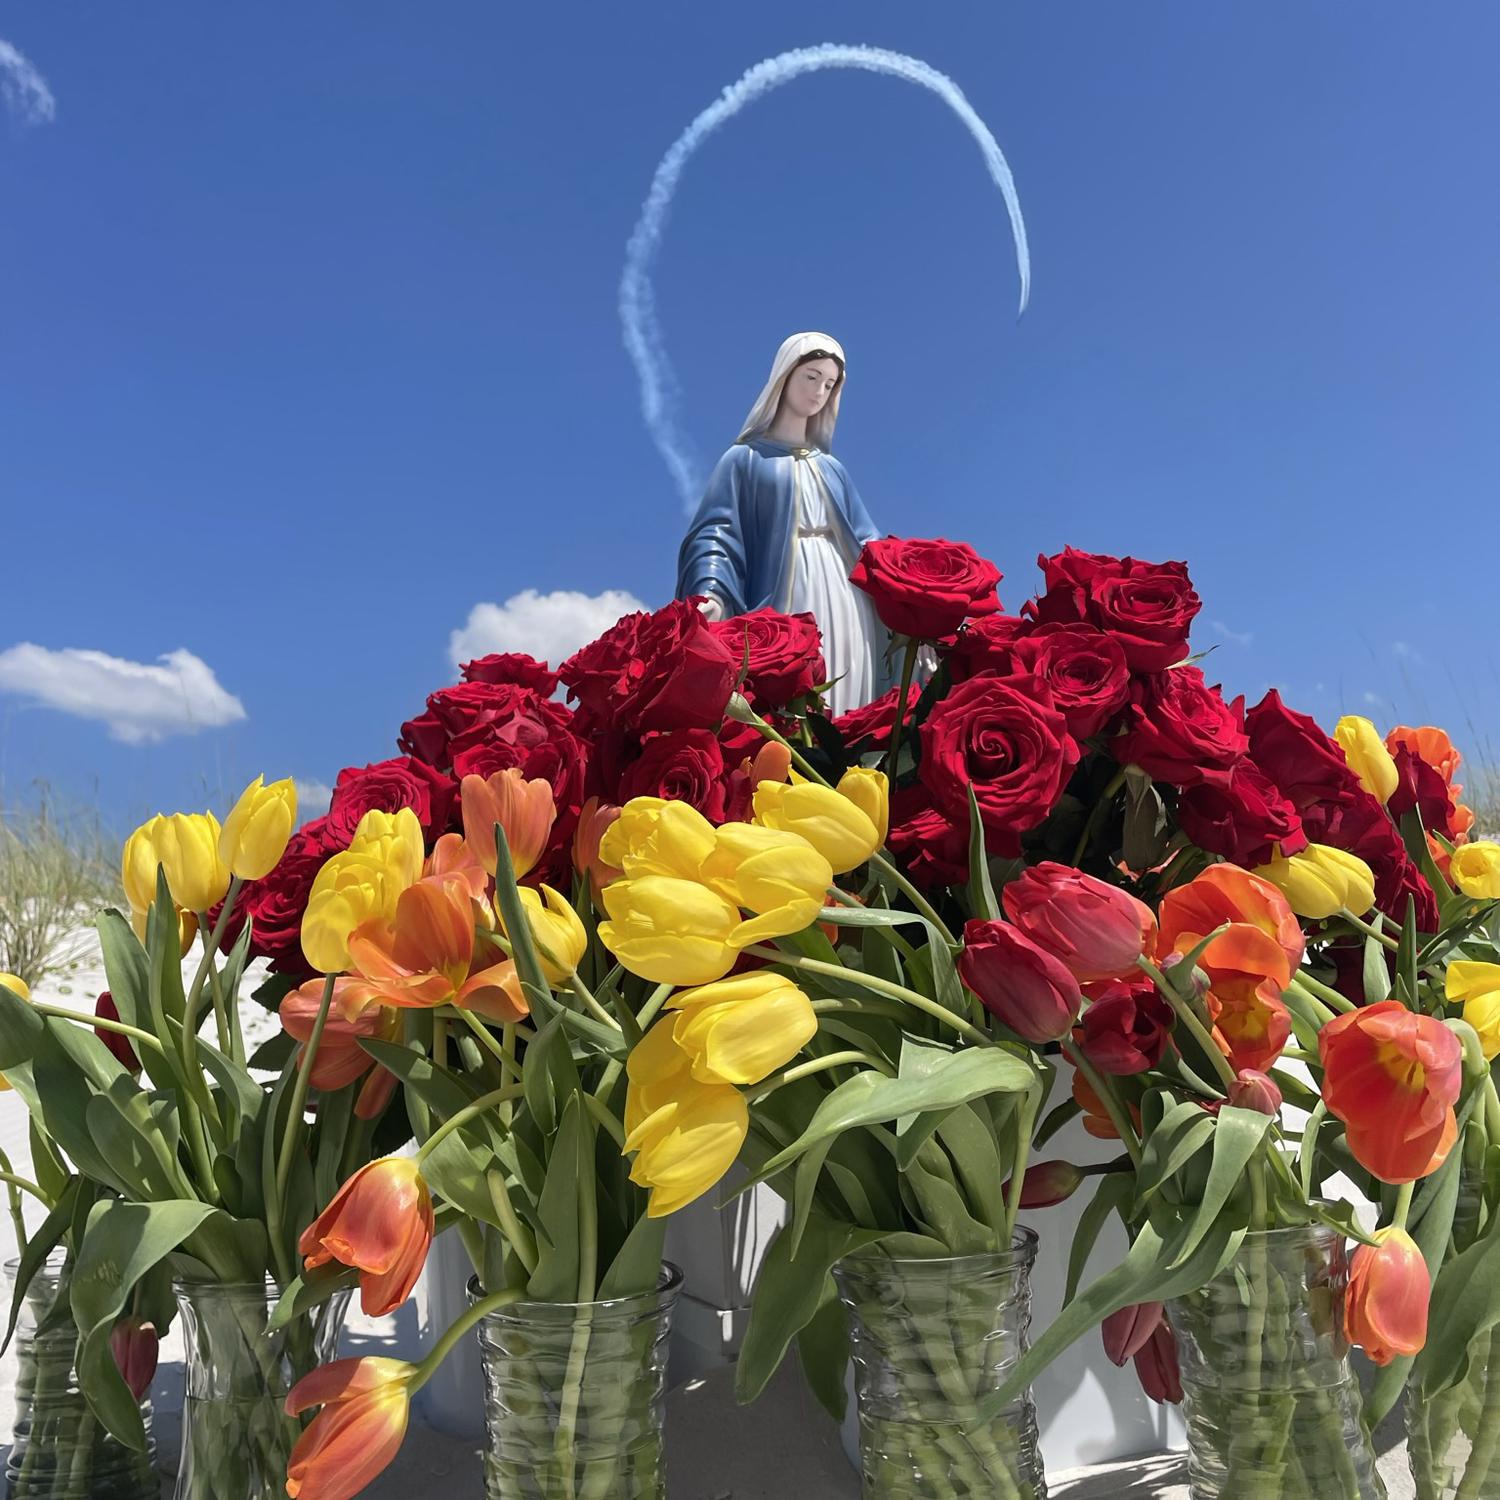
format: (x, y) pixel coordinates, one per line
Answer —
(138, 701)
(1373, 699)
(313, 798)
(23, 89)
(1239, 637)
(1407, 652)
(550, 627)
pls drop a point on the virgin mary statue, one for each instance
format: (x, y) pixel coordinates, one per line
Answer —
(781, 524)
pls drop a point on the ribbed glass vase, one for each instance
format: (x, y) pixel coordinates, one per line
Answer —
(1273, 1408)
(1453, 1437)
(61, 1450)
(930, 1339)
(574, 1397)
(236, 1436)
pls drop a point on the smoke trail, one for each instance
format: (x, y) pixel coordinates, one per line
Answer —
(643, 336)
(23, 89)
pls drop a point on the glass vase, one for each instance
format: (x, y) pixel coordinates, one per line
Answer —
(61, 1450)
(236, 1436)
(1453, 1437)
(1273, 1407)
(930, 1339)
(574, 1393)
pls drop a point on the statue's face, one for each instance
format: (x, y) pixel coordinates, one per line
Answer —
(809, 386)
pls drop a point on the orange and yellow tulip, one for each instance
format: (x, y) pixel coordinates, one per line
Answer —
(380, 1224)
(1392, 1077)
(1385, 1306)
(526, 810)
(366, 1403)
(340, 1060)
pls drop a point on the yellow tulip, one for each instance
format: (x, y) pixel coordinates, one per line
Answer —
(685, 1135)
(837, 827)
(255, 833)
(670, 931)
(1476, 985)
(187, 927)
(1475, 870)
(18, 986)
(361, 884)
(779, 876)
(870, 791)
(188, 846)
(741, 1029)
(138, 865)
(1322, 881)
(556, 930)
(394, 842)
(1367, 756)
(654, 836)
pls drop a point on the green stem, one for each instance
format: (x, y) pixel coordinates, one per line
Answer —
(463, 1116)
(459, 1327)
(606, 1117)
(1369, 930)
(26, 1186)
(1403, 1204)
(211, 937)
(521, 1239)
(908, 665)
(1117, 1116)
(503, 1054)
(1186, 1014)
(880, 986)
(594, 1008)
(299, 1092)
(1025, 1119)
(654, 1002)
(1323, 992)
(103, 1023)
(912, 894)
(17, 1212)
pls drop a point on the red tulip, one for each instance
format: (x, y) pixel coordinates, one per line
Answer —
(1385, 1307)
(380, 1223)
(1048, 1183)
(1021, 984)
(1392, 1077)
(366, 1403)
(1129, 1330)
(1156, 1366)
(1125, 1029)
(1099, 931)
(1255, 1091)
(118, 1044)
(135, 1346)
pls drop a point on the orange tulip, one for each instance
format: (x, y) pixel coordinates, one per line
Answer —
(593, 822)
(365, 1404)
(354, 1013)
(427, 956)
(524, 809)
(1385, 1307)
(1430, 744)
(1392, 1077)
(452, 856)
(380, 1224)
(1096, 1118)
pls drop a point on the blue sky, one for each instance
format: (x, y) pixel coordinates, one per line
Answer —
(309, 343)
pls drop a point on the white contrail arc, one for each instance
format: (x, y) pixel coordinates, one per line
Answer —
(642, 329)
(23, 90)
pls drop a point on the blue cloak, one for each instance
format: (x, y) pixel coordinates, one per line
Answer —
(739, 546)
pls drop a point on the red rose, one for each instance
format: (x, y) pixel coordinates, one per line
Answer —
(1242, 819)
(1019, 983)
(1085, 669)
(926, 589)
(1307, 766)
(933, 848)
(1003, 738)
(655, 671)
(685, 765)
(874, 722)
(1180, 730)
(275, 903)
(511, 668)
(1125, 1029)
(785, 655)
(986, 645)
(1425, 788)
(459, 717)
(390, 785)
(1148, 606)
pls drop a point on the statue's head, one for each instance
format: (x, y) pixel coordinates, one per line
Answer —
(807, 378)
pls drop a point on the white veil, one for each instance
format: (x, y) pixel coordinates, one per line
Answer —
(763, 413)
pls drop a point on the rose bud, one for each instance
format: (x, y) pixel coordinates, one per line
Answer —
(1385, 1307)
(1048, 1183)
(1125, 1029)
(119, 1045)
(1156, 1366)
(1253, 1090)
(1129, 1330)
(1099, 931)
(1019, 983)
(135, 1345)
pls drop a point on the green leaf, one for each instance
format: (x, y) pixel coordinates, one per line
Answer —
(1185, 1130)
(309, 1290)
(242, 1093)
(335, 1114)
(438, 1089)
(941, 1206)
(1465, 1303)
(455, 1170)
(1111, 1196)
(127, 969)
(272, 1053)
(872, 1098)
(1146, 826)
(636, 1267)
(1237, 1137)
(981, 888)
(789, 1294)
(1377, 977)
(1069, 1109)
(35, 1251)
(131, 1140)
(945, 976)
(976, 1158)
(122, 1242)
(823, 1353)
(556, 1276)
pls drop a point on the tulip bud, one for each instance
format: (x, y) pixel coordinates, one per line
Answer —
(840, 829)
(255, 833)
(1127, 1331)
(138, 865)
(741, 1029)
(1475, 870)
(119, 1045)
(772, 762)
(1253, 1090)
(1475, 985)
(392, 842)
(526, 810)
(1367, 756)
(1023, 985)
(366, 1405)
(188, 846)
(1156, 1366)
(1048, 1183)
(670, 931)
(16, 985)
(1385, 1307)
(779, 876)
(653, 836)
(870, 791)
(135, 1346)
(556, 930)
